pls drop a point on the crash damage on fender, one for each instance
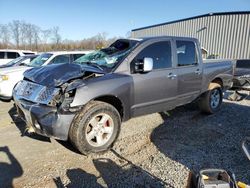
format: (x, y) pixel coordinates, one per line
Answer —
(43, 97)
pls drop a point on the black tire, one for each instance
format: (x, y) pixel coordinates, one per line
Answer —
(205, 103)
(78, 130)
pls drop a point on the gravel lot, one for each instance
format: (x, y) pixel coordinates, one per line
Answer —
(152, 151)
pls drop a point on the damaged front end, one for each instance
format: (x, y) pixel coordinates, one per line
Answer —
(43, 98)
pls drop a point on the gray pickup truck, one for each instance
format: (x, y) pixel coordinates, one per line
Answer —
(85, 102)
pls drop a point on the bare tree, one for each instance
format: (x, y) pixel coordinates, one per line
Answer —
(15, 29)
(56, 37)
(129, 34)
(23, 34)
(101, 39)
(35, 33)
(45, 35)
(4, 35)
(29, 36)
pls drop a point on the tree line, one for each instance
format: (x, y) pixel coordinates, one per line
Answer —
(26, 36)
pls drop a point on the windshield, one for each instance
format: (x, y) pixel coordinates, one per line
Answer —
(108, 57)
(14, 61)
(39, 60)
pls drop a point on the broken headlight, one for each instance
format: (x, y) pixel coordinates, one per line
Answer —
(68, 99)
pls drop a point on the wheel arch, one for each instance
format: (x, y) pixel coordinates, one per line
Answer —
(217, 80)
(114, 101)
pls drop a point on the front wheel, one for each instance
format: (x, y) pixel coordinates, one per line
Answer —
(95, 128)
(210, 102)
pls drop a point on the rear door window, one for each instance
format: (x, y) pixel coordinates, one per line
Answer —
(1, 55)
(186, 53)
(61, 59)
(12, 55)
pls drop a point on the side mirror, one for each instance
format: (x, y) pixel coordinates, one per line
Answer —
(246, 147)
(143, 66)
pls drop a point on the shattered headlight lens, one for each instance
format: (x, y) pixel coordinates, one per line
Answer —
(68, 98)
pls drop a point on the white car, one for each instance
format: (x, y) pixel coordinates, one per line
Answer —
(6, 55)
(11, 75)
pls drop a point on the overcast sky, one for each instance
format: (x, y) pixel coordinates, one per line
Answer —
(82, 19)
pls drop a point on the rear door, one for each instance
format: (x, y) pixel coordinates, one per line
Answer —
(189, 71)
(155, 91)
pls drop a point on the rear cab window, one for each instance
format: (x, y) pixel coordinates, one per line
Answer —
(160, 52)
(186, 53)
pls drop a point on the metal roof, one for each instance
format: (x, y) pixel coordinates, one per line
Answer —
(194, 17)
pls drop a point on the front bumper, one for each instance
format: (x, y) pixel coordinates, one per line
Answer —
(45, 120)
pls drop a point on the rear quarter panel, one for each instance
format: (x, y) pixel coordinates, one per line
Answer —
(218, 69)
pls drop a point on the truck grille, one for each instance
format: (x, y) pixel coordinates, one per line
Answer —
(34, 92)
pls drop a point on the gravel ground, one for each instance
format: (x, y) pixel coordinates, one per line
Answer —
(152, 151)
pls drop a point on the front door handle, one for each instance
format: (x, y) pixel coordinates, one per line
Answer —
(172, 76)
(197, 72)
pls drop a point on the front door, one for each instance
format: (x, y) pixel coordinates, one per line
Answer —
(155, 91)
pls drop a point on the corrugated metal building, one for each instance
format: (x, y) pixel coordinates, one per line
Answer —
(225, 34)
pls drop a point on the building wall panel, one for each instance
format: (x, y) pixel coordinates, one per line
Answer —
(225, 35)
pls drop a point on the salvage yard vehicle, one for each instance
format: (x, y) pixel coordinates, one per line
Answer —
(85, 102)
(22, 60)
(6, 55)
(11, 75)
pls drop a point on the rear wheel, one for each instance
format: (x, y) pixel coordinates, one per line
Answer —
(95, 128)
(210, 102)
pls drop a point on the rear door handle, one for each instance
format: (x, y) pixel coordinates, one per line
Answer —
(197, 72)
(172, 76)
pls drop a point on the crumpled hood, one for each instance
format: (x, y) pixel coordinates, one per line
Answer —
(58, 74)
